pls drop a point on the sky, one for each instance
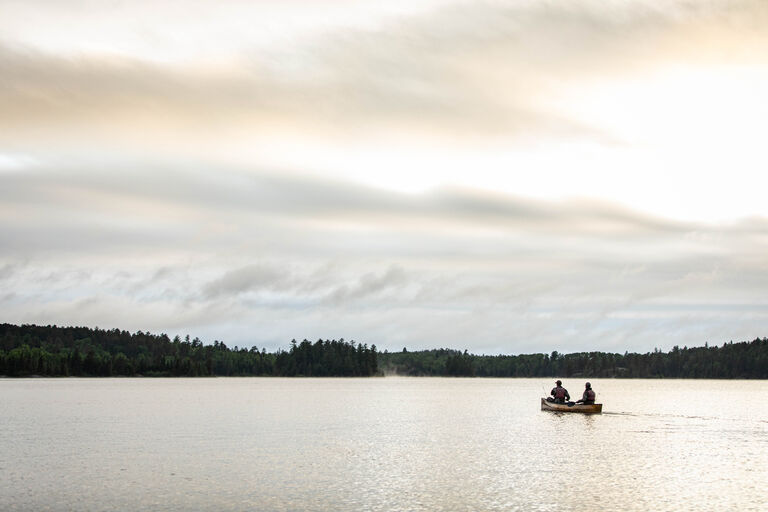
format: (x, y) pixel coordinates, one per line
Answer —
(502, 177)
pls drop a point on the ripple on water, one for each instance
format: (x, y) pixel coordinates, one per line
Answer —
(377, 444)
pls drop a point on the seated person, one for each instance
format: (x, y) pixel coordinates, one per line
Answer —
(560, 393)
(589, 396)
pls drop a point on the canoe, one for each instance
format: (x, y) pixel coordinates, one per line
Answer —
(582, 408)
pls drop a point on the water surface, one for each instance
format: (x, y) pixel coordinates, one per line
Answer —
(405, 444)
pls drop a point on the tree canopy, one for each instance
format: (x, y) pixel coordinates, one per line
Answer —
(82, 351)
(92, 352)
(745, 360)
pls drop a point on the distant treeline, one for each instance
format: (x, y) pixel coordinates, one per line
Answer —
(82, 351)
(85, 352)
(745, 360)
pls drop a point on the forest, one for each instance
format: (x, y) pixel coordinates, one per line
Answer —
(85, 352)
(92, 352)
(744, 360)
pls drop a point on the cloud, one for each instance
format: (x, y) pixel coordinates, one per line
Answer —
(183, 239)
(160, 209)
(248, 278)
(259, 259)
(368, 285)
(466, 70)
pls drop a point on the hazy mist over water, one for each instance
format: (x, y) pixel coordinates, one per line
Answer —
(274, 444)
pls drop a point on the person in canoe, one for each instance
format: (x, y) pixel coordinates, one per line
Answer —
(588, 397)
(560, 393)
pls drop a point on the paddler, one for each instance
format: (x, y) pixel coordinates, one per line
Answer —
(589, 396)
(560, 393)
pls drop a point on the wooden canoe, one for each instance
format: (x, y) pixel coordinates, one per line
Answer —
(582, 408)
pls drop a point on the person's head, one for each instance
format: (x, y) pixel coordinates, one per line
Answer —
(588, 385)
(558, 382)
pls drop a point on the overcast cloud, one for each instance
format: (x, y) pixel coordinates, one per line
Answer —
(504, 177)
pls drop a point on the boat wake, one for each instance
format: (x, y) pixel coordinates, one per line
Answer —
(681, 416)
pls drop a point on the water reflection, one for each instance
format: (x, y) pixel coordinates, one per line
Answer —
(377, 444)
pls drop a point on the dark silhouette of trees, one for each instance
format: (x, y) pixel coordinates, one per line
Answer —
(82, 351)
(745, 360)
(327, 358)
(460, 365)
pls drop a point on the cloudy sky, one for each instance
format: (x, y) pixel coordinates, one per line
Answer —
(504, 177)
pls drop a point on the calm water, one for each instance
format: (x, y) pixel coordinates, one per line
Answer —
(379, 444)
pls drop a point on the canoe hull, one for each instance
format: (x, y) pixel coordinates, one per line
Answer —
(582, 408)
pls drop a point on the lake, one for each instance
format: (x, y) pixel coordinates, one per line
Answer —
(390, 444)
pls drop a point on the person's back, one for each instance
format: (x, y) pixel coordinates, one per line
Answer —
(560, 393)
(589, 395)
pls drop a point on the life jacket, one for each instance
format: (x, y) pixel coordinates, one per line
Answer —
(590, 395)
(560, 393)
